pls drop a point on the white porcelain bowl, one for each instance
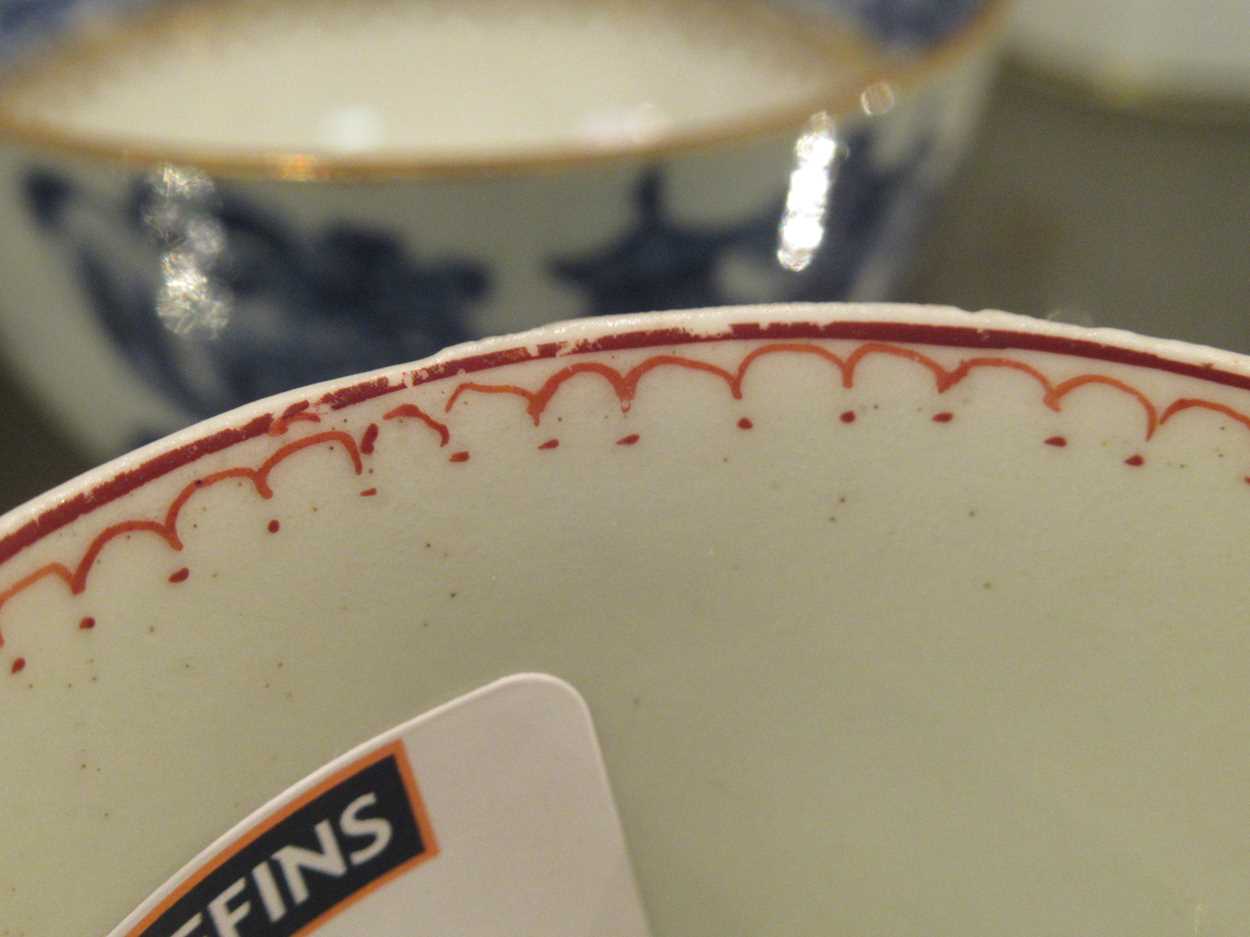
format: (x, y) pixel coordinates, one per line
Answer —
(890, 619)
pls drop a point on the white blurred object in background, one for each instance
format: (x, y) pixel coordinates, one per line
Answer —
(1141, 51)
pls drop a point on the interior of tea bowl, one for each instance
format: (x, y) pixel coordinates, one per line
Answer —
(889, 619)
(215, 202)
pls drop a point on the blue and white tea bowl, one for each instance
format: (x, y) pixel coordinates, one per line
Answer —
(143, 287)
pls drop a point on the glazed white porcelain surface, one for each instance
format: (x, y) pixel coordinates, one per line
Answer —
(890, 619)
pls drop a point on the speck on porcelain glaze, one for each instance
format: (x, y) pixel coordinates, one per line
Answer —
(891, 619)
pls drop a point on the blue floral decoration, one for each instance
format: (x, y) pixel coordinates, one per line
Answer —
(659, 263)
(908, 23)
(299, 306)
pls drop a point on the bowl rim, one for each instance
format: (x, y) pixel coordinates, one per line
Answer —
(904, 73)
(874, 323)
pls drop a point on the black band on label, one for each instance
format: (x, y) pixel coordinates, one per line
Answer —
(311, 859)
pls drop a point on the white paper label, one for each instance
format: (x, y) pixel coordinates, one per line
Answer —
(489, 815)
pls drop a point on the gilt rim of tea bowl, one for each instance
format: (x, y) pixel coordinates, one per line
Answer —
(902, 74)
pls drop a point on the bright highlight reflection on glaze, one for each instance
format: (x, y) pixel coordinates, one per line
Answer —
(802, 228)
(178, 216)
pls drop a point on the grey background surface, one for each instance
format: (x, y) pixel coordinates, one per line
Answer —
(1062, 210)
